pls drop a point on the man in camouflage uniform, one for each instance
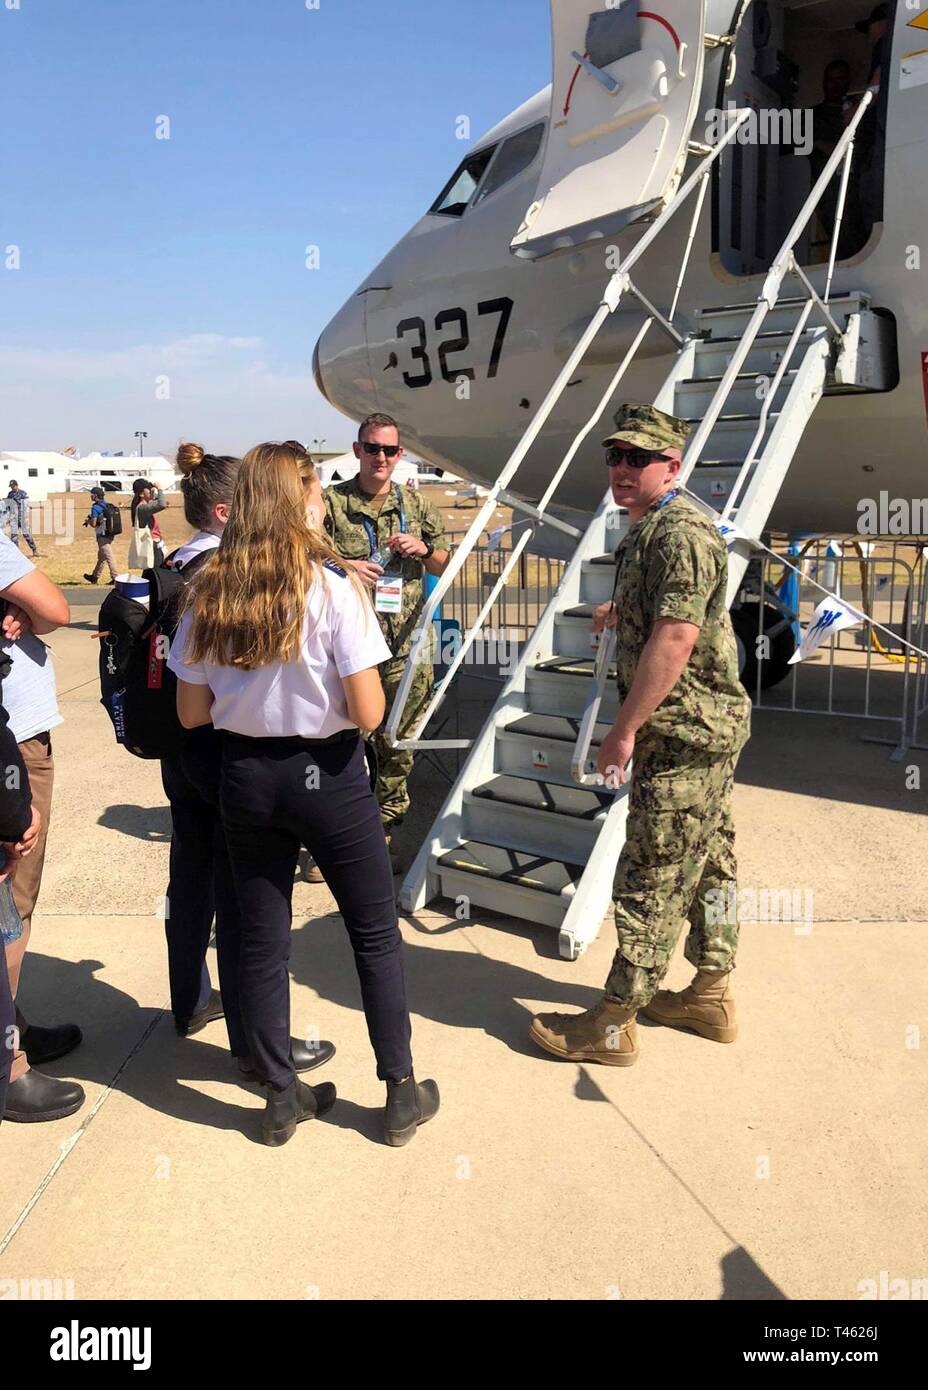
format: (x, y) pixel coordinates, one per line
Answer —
(685, 714)
(372, 516)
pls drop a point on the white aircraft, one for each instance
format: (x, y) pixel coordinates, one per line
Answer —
(461, 329)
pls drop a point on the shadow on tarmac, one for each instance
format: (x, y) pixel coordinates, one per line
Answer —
(151, 823)
(485, 995)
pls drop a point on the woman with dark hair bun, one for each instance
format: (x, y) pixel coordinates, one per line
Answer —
(147, 500)
(201, 875)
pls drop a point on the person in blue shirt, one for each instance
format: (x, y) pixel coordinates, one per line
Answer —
(97, 519)
(17, 503)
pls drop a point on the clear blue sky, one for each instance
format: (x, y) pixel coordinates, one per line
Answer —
(142, 258)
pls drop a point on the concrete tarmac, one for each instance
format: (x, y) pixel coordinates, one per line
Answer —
(790, 1165)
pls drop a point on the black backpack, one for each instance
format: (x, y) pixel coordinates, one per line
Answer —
(113, 520)
(137, 690)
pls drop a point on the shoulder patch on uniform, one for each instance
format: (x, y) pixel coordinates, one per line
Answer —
(335, 569)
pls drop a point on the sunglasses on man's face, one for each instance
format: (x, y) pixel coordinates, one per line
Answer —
(635, 458)
(390, 451)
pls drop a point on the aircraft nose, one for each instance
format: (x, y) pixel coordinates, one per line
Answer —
(317, 373)
(340, 362)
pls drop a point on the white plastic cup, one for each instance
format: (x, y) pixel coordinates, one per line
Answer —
(134, 587)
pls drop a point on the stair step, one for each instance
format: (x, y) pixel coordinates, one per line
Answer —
(732, 419)
(693, 398)
(795, 302)
(540, 747)
(550, 797)
(768, 336)
(573, 634)
(513, 867)
(570, 666)
(566, 691)
(557, 727)
(782, 317)
(597, 578)
(714, 354)
(744, 378)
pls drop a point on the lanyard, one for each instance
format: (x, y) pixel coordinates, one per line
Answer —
(369, 528)
(666, 499)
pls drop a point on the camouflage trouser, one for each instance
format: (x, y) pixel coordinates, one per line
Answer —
(680, 845)
(395, 764)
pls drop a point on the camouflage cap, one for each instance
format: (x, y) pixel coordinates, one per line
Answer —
(646, 427)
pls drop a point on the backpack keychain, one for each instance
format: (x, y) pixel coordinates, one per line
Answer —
(110, 642)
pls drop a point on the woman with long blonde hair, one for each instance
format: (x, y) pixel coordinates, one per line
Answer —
(201, 885)
(278, 647)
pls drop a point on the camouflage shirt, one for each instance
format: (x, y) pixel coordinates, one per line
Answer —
(346, 509)
(673, 564)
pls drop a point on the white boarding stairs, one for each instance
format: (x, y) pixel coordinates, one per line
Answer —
(517, 834)
(525, 830)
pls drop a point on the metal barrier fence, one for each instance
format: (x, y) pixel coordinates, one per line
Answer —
(859, 673)
(863, 672)
(522, 599)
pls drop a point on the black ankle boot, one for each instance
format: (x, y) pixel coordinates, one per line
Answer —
(36, 1097)
(286, 1109)
(48, 1044)
(212, 1009)
(303, 1056)
(409, 1104)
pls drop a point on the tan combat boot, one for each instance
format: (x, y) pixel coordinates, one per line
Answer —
(606, 1033)
(706, 1007)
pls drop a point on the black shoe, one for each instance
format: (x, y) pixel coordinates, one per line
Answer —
(304, 1056)
(211, 1010)
(409, 1104)
(36, 1097)
(286, 1109)
(48, 1044)
(90, 579)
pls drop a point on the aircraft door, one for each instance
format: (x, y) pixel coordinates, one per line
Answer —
(626, 88)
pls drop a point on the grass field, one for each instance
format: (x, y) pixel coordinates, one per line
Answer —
(68, 550)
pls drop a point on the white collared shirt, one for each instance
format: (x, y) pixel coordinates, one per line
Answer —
(203, 540)
(304, 698)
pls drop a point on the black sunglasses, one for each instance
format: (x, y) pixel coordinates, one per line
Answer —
(635, 458)
(389, 450)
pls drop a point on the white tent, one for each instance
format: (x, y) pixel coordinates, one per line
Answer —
(117, 474)
(39, 472)
(346, 466)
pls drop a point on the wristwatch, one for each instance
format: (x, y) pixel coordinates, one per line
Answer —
(429, 550)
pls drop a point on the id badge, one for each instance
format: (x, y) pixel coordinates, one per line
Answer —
(388, 595)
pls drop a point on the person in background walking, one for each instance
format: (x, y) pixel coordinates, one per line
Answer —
(279, 648)
(17, 503)
(99, 520)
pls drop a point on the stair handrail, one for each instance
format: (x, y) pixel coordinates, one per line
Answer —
(616, 287)
(770, 292)
(784, 263)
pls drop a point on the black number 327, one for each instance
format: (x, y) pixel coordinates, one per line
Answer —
(452, 346)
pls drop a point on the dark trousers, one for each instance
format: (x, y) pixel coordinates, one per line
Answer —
(201, 886)
(276, 795)
(7, 1030)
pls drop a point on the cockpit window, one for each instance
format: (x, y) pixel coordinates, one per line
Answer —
(456, 194)
(515, 155)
